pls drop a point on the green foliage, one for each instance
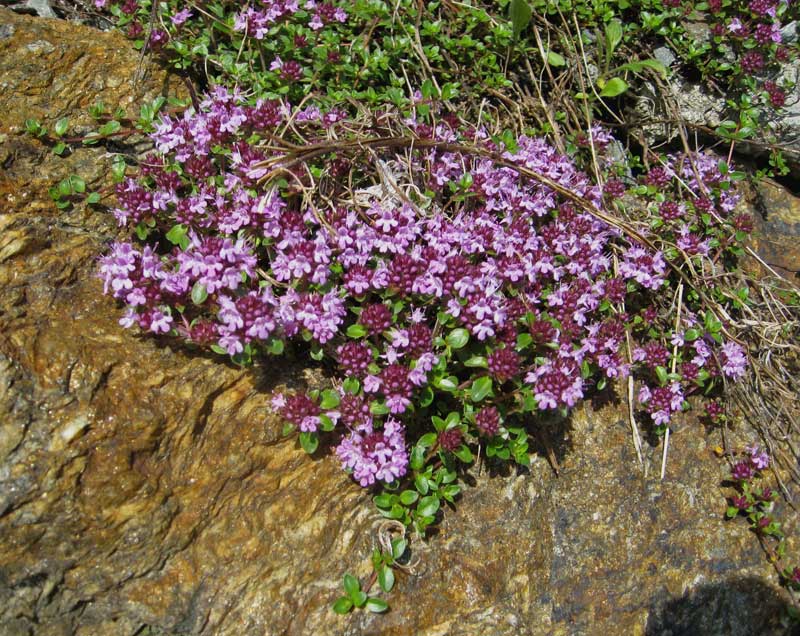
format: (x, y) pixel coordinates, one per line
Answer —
(383, 564)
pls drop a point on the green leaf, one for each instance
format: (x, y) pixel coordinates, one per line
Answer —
(520, 13)
(359, 599)
(109, 128)
(428, 506)
(464, 454)
(656, 65)
(480, 388)
(476, 361)
(386, 579)
(356, 331)
(330, 399)
(662, 374)
(146, 113)
(309, 442)
(613, 87)
(452, 420)
(426, 398)
(399, 546)
(397, 512)
(554, 59)
(351, 585)
(378, 408)
(325, 423)
(118, 169)
(691, 334)
(343, 605)
(32, 126)
(275, 346)
(613, 36)
(351, 385)
(199, 293)
(178, 236)
(408, 497)
(59, 148)
(377, 605)
(417, 459)
(457, 338)
(449, 383)
(384, 500)
(523, 340)
(522, 458)
(61, 127)
(450, 492)
(93, 198)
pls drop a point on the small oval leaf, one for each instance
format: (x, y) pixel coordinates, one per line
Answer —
(377, 605)
(386, 579)
(457, 338)
(615, 86)
(342, 605)
(480, 388)
(199, 293)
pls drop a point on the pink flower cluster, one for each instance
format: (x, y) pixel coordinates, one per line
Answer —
(394, 285)
(375, 455)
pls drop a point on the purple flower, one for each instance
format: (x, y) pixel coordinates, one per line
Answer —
(734, 360)
(378, 455)
(160, 322)
(301, 411)
(503, 364)
(354, 358)
(397, 387)
(742, 471)
(759, 458)
(372, 384)
(376, 318)
(646, 268)
(488, 421)
(181, 16)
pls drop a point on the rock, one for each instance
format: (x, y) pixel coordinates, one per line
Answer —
(695, 105)
(42, 8)
(790, 119)
(789, 32)
(702, 111)
(776, 212)
(664, 55)
(52, 68)
(146, 488)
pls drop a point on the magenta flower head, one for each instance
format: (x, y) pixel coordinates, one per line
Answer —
(450, 440)
(742, 471)
(300, 410)
(376, 318)
(354, 358)
(488, 421)
(503, 364)
(397, 387)
(379, 455)
(740, 502)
